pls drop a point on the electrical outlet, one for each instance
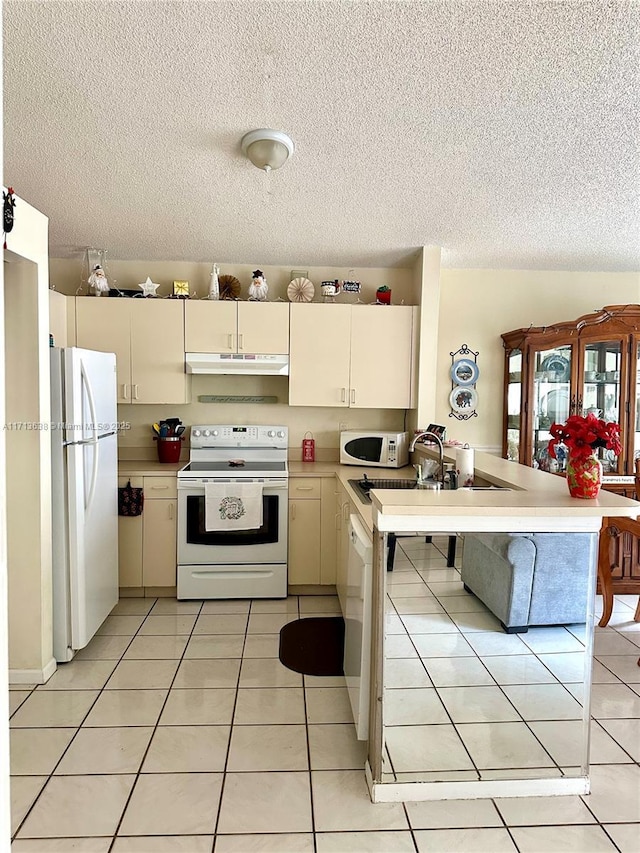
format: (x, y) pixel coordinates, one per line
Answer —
(343, 426)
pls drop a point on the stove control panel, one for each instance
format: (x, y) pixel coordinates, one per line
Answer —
(238, 435)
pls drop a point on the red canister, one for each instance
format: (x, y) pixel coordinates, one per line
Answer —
(169, 448)
(308, 448)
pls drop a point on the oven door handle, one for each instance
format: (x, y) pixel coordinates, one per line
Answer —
(197, 486)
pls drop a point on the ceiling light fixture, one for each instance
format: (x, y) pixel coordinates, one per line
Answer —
(267, 149)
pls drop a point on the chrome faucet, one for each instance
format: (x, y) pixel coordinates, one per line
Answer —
(440, 473)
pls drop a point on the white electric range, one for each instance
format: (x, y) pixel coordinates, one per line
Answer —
(234, 563)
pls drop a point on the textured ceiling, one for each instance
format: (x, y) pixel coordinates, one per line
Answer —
(506, 132)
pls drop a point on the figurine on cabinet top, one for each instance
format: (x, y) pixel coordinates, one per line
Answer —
(98, 280)
(214, 283)
(259, 288)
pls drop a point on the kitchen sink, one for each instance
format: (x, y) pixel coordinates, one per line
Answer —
(485, 489)
(363, 487)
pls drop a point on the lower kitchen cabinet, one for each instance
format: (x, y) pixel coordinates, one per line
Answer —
(311, 530)
(147, 543)
(344, 507)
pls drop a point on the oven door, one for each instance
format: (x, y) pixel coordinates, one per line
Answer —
(265, 544)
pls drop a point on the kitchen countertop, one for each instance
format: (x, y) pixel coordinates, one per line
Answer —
(537, 502)
(148, 468)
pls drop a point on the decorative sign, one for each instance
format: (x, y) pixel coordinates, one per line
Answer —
(231, 398)
(181, 288)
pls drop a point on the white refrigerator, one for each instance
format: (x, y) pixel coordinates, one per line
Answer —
(84, 495)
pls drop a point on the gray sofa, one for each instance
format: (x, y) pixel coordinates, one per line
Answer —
(530, 578)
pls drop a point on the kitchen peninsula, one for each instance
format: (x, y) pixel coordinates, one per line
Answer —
(488, 735)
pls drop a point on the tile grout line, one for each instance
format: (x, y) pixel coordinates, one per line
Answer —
(79, 726)
(306, 730)
(231, 725)
(155, 727)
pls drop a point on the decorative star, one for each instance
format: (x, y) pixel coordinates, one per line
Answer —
(257, 274)
(148, 287)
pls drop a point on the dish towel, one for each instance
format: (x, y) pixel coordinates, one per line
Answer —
(232, 506)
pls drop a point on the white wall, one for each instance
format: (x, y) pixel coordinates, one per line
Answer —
(28, 472)
(477, 306)
(69, 276)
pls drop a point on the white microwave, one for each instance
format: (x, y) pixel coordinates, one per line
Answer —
(374, 449)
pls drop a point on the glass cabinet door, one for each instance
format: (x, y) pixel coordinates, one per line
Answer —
(514, 405)
(634, 427)
(600, 388)
(551, 403)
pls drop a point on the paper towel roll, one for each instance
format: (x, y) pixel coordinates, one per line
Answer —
(464, 465)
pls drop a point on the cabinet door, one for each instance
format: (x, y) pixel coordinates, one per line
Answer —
(513, 444)
(552, 400)
(159, 543)
(157, 351)
(210, 326)
(263, 327)
(104, 324)
(320, 347)
(304, 542)
(342, 550)
(380, 357)
(602, 385)
(129, 544)
(328, 530)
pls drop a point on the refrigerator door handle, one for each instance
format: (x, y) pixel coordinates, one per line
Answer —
(94, 440)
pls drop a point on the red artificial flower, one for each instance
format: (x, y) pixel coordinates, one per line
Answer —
(582, 435)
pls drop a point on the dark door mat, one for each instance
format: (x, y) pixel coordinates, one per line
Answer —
(313, 646)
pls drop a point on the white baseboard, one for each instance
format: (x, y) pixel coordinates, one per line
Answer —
(33, 676)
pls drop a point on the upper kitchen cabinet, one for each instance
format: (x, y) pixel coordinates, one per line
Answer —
(357, 356)
(147, 336)
(586, 365)
(230, 327)
(381, 353)
(320, 342)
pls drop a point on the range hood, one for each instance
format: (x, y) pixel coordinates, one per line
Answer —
(246, 364)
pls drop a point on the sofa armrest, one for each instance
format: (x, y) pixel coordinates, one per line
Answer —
(499, 569)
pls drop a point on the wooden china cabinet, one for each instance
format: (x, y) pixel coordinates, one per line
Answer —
(591, 364)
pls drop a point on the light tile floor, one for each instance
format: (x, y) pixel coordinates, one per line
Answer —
(178, 730)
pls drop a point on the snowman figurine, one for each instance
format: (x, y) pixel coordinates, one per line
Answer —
(98, 280)
(259, 288)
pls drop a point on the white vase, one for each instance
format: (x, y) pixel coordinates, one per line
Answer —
(214, 284)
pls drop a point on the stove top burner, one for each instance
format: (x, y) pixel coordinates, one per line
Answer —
(227, 451)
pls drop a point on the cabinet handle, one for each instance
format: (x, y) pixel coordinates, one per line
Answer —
(338, 520)
(293, 512)
(230, 343)
(135, 392)
(343, 397)
(240, 341)
(345, 512)
(171, 511)
(125, 388)
(159, 487)
(304, 488)
(353, 395)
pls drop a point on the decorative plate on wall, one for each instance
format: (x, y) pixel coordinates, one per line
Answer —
(463, 400)
(300, 290)
(229, 287)
(465, 372)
